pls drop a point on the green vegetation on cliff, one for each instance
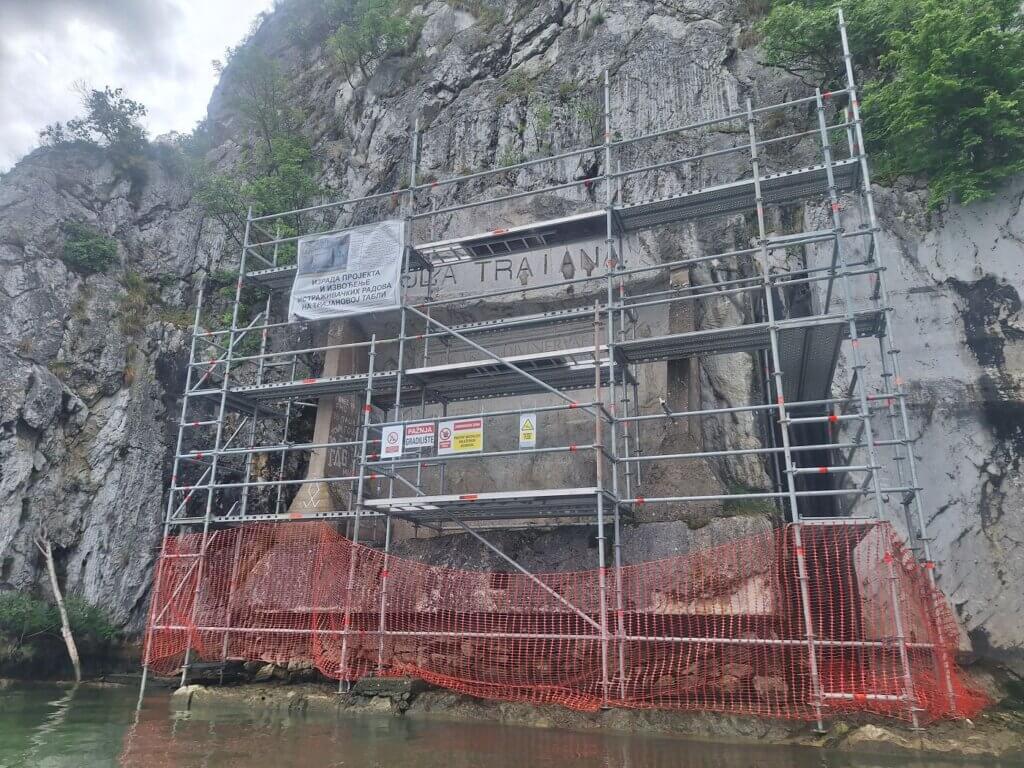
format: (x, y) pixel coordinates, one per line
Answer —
(944, 93)
(275, 169)
(377, 28)
(86, 249)
(30, 640)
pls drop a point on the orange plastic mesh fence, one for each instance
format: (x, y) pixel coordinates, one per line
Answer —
(719, 629)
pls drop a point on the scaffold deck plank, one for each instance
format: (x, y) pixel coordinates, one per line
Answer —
(718, 200)
(497, 505)
(809, 348)
(552, 317)
(738, 196)
(564, 370)
(229, 520)
(743, 338)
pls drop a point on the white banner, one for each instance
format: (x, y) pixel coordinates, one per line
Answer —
(419, 435)
(348, 273)
(391, 442)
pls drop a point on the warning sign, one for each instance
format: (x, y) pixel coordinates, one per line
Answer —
(460, 436)
(419, 436)
(391, 442)
(528, 430)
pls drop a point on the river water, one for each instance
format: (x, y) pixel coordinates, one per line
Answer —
(52, 727)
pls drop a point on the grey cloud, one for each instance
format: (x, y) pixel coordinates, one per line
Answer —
(158, 50)
(39, 39)
(145, 27)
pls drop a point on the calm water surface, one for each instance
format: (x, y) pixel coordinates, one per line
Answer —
(48, 726)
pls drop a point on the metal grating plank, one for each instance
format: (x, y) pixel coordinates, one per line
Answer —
(709, 201)
(495, 505)
(737, 196)
(275, 278)
(808, 353)
(809, 358)
(713, 341)
(472, 380)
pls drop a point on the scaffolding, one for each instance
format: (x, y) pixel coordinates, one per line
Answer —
(838, 461)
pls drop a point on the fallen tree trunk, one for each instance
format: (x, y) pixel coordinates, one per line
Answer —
(44, 545)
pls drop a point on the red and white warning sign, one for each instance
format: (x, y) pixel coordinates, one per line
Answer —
(391, 442)
(419, 435)
(460, 436)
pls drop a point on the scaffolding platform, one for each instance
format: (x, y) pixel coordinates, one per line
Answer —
(229, 520)
(239, 403)
(558, 503)
(792, 363)
(566, 370)
(719, 200)
(738, 196)
(555, 317)
(809, 349)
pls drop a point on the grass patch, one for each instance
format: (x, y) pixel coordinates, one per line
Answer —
(133, 308)
(86, 249)
(514, 87)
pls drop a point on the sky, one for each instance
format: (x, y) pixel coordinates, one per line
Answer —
(159, 51)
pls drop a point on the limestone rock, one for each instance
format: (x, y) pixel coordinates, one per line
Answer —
(88, 407)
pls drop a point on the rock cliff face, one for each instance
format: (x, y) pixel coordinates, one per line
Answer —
(88, 400)
(87, 388)
(956, 280)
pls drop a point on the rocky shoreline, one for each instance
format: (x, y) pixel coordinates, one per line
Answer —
(997, 733)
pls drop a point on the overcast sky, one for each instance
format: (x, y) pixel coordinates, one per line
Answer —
(159, 51)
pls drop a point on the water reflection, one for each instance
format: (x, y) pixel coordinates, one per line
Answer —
(45, 726)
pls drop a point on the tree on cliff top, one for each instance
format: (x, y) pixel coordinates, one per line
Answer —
(378, 28)
(943, 96)
(111, 120)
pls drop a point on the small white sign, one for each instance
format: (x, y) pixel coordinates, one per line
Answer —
(528, 430)
(460, 436)
(419, 435)
(391, 442)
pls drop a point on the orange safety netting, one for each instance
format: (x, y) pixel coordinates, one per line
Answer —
(719, 629)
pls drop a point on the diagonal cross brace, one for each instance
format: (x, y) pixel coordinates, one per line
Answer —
(529, 575)
(499, 359)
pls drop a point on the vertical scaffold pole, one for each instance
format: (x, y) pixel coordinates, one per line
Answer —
(859, 367)
(773, 334)
(215, 458)
(599, 477)
(898, 440)
(425, 358)
(175, 468)
(894, 357)
(403, 291)
(360, 481)
(384, 595)
(611, 262)
(284, 440)
(244, 505)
